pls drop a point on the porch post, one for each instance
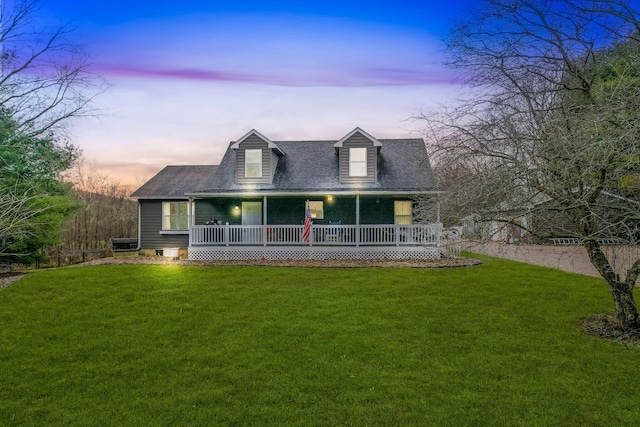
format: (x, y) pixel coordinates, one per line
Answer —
(264, 220)
(189, 219)
(189, 213)
(357, 220)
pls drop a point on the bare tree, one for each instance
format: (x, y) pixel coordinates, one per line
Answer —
(551, 127)
(105, 211)
(44, 78)
(19, 216)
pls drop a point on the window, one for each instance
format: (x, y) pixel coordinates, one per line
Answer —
(253, 163)
(175, 215)
(358, 161)
(316, 210)
(402, 211)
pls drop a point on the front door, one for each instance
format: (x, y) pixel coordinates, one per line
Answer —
(252, 215)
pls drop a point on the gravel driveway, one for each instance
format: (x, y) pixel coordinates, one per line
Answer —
(573, 259)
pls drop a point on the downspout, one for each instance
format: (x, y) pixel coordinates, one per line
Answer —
(139, 227)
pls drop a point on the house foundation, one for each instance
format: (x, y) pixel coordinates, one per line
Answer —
(212, 253)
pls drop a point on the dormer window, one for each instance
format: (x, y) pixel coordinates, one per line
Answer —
(253, 163)
(257, 158)
(358, 157)
(357, 161)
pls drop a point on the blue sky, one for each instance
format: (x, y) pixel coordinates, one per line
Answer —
(188, 77)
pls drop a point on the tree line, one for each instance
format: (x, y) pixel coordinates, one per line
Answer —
(103, 211)
(43, 206)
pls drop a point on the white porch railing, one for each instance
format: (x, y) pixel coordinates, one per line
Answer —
(339, 235)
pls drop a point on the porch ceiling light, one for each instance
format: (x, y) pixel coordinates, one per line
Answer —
(330, 198)
(236, 207)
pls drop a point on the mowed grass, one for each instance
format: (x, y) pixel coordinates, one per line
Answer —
(495, 344)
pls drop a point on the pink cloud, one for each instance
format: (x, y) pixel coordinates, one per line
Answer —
(402, 76)
(358, 78)
(186, 74)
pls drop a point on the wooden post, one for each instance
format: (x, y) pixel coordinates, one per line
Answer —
(357, 220)
(264, 220)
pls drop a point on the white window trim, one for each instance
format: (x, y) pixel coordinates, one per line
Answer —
(353, 163)
(396, 216)
(315, 211)
(178, 230)
(246, 162)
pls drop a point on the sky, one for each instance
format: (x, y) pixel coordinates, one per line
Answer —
(186, 78)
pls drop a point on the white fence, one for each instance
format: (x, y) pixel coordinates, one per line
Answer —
(338, 235)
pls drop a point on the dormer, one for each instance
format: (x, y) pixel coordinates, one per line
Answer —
(358, 157)
(256, 158)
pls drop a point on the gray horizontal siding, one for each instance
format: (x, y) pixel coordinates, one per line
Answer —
(151, 225)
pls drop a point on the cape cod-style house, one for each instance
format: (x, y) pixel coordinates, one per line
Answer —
(355, 193)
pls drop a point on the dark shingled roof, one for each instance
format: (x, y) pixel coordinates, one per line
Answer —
(175, 181)
(403, 165)
(307, 166)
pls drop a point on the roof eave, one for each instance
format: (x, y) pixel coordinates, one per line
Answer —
(340, 143)
(272, 145)
(159, 197)
(316, 193)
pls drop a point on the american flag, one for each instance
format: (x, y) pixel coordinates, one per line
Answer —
(306, 231)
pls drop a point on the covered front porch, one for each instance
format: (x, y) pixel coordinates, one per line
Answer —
(371, 241)
(332, 235)
(346, 226)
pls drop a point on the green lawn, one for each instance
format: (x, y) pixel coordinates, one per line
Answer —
(495, 344)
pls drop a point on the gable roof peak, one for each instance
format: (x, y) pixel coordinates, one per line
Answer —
(236, 145)
(340, 143)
